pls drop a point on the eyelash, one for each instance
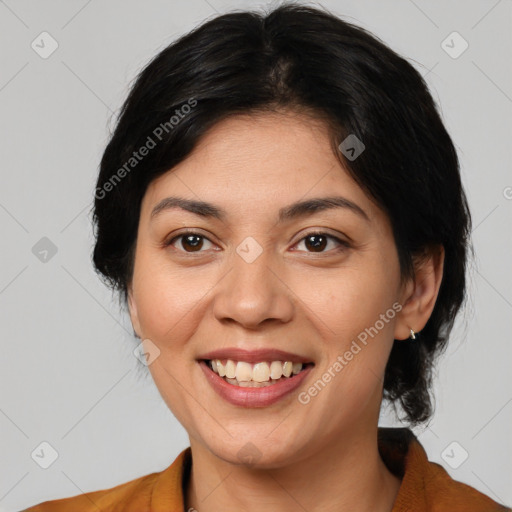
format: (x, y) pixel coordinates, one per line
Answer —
(343, 244)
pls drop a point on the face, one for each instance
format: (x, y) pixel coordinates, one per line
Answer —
(249, 276)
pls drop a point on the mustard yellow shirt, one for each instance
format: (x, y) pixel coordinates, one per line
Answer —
(426, 486)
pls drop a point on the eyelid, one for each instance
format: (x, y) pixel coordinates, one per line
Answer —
(169, 240)
(343, 244)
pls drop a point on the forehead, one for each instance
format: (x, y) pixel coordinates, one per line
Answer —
(252, 163)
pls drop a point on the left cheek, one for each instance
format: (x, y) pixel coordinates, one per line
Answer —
(352, 314)
(346, 305)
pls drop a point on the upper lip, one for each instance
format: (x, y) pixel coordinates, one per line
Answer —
(254, 356)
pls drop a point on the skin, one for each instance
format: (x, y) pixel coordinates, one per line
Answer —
(321, 455)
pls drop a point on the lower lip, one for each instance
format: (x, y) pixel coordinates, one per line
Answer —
(254, 397)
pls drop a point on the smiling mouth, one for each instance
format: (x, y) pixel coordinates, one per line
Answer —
(262, 374)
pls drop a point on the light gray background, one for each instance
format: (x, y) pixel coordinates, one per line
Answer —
(68, 373)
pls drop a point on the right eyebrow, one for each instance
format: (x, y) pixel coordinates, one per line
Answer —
(198, 207)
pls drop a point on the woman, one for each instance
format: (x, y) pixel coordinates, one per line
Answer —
(280, 206)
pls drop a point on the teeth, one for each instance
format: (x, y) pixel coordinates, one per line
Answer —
(276, 369)
(220, 368)
(247, 375)
(230, 369)
(251, 383)
(296, 368)
(243, 371)
(260, 372)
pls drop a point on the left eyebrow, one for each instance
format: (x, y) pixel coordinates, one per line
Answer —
(303, 208)
(293, 211)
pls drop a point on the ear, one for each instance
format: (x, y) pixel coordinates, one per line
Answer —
(419, 294)
(132, 308)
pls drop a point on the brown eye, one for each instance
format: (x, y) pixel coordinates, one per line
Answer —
(189, 242)
(195, 242)
(317, 242)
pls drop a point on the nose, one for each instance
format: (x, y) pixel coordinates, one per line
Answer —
(253, 293)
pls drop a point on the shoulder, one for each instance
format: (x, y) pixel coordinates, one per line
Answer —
(427, 486)
(445, 493)
(104, 500)
(144, 493)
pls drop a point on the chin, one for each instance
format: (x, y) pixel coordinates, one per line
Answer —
(258, 452)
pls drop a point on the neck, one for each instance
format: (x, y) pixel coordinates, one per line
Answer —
(346, 475)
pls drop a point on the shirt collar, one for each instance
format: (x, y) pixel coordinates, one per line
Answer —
(423, 482)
